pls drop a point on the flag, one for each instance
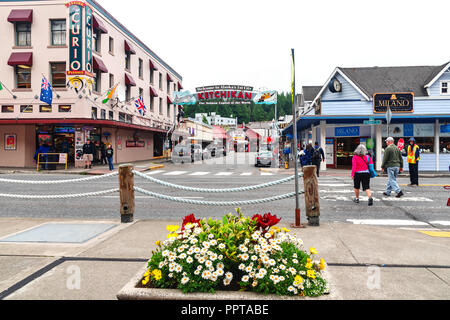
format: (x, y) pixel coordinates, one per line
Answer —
(1, 86)
(46, 92)
(110, 94)
(140, 106)
(293, 77)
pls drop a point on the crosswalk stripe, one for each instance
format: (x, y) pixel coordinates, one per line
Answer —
(200, 173)
(175, 173)
(266, 174)
(155, 172)
(246, 174)
(224, 174)
(387, 222)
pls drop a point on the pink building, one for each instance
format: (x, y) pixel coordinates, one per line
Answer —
(83, 52)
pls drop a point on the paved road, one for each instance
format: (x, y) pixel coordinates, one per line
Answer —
(422, 207)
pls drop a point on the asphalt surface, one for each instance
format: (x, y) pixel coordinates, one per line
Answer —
(424, 206)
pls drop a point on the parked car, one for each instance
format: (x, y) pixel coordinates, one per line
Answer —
(264, 158)
(187, 153)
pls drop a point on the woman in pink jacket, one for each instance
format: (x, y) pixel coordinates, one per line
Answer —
(360, 173)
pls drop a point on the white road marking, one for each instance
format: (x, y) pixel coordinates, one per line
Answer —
(224, 174)
(200, 173)
(246, 174)
(442, 223)
(334, 184)
(175, 173)
(155, 172)
(266, 174)
(387, 222)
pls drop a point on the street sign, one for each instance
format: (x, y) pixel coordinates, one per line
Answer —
(401, 144)
(372, 122)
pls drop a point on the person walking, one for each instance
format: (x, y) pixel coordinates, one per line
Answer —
(393, 165)
(413, 162)
(109, 155)
(361, 173)
(103, 159)
(306, 158)
(88, 154)
(318, 156)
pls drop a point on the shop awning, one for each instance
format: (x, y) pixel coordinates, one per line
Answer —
(21, 16)
(99, 65)
(129, 81)
(169, 78)
(129, 48)
(180, 87)
(21, 58)
(219, 132)
(98, 25)
(252, 135)
(169, 101)
(153, 92)
(153, 66)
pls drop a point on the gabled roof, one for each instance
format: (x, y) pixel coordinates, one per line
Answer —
(310, 92)
(391, 79)
(436, 74)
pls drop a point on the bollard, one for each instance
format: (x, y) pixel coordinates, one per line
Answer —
(126, 185)
(312, 204)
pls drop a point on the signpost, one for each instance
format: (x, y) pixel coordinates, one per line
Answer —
(388, 119)
(372, 122)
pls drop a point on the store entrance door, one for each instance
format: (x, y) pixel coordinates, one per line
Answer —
(344, 151)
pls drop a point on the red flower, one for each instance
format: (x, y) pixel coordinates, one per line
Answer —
(189, 219)
(266, 221)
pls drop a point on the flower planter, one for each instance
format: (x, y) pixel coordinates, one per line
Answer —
(131, 291)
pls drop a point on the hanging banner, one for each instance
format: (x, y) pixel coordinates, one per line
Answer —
(89, 41)
(266, 97)
(75, 37)
(184, 98)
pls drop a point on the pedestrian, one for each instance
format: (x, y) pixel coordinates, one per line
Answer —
(306, 158)
(42, 155)
(318, 156)
(103, 153)
(413, 162)
(109, 152)
(88, 154)
(393, 165)
(361, 173)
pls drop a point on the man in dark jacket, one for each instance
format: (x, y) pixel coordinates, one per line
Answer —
(317, 157)
(393, 165)
(88, 154)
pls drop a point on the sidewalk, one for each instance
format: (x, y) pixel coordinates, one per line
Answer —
(364, 262)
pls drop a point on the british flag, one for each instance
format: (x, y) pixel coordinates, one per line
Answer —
(140, 106)
(46, 92)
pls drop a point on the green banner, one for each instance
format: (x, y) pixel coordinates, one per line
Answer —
(89, 40)
(75, 39)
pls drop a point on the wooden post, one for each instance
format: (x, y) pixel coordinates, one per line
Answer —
(126, 185)
(312, 204)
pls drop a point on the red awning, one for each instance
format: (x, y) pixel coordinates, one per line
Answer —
(169, 78)
(99, 65)
(219, 132)
(153, 66)
(21, 16)
(21, 58)
(98, 25)
(169, 101)
(129, 80)
(129, 48)
(252, 135)
(180, 87)
(153, 92)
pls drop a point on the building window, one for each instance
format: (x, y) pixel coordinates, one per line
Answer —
(23, 77)
(127, 60)
(58, 74)
(129, 118)
(97, 41)
(160, 106)
(444, 145)
(45, 108)
(141, 68)
(58, 32)
(152, 101)
(122, 116)
(23, 34)
(141, 94)
(97, 81)
(160, 81)
(168, 87)
(64, 108)
(94, 113)
(111, 80)
(168, 110)
(26, 109)
(444, 87)
(111, 45)
(7, 109)
(103, 114)
(151, 76)
(111, 115)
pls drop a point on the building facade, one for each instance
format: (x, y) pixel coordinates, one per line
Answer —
(216, 119)
(352, 109)
(84, 53)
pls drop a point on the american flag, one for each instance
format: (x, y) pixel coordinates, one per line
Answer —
(140, 106)
(46, 92)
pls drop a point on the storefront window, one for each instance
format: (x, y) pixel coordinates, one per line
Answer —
(122, 116)
(45, 108)
(444, 145)
(26, 109)
(94, 113)
(7, 109)
(65, 108)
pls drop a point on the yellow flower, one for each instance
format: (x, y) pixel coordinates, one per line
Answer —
(157, 274)
(172, 228)
(172, 235)
(158, 243)
(147, 273)
(322, 264)
(298, 280)
(285, 230)
(308, 260)
(146, 280)
(313, 251)
(308, 265)
(311, 274)
(302, 293)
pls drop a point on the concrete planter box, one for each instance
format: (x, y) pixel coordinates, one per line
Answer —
(131, 292)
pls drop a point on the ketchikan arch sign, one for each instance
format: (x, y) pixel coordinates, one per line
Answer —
(225, 94)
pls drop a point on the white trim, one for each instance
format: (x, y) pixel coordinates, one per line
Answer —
(438, 76)
(448, 87)
(337, 70)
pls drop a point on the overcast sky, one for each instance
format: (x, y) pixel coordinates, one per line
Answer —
(246, 42)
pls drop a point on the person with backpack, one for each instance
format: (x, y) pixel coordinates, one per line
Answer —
(306, 158)
(361, 173)
(317, 157)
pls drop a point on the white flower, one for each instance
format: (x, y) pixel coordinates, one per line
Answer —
(245, 278)
(189, 260)
(291, 289)
(243, 248)
(220, 265)
(213, 257)
(229, 275)
(248, 269)
(244, 256)
(220, 257)
(282, 267)
(267, 235)
(295, 261)
(226, 282)
(206, 274)
(165, 253)
(213, 242)
(161, 265)
(211, 236)
(220, 272)
(208, 263)
(204, 250)
(197, 272)
(197, 250)
(184, 280)
(222, 246)
(241, 266)
(178, 268)
(246, 241)
(182, 256)
(201, 260)
(272, 262)
(206, 244)
(170, 275)
(254, 258)
(194, 241)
